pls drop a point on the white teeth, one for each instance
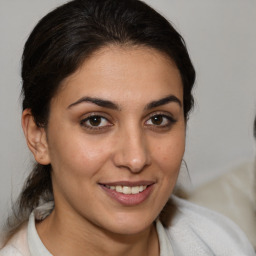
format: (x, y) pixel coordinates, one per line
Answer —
(127, 190)
(119, 189)
(135, 190)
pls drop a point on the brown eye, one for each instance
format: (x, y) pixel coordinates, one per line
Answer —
(157, 120)
(95, 120)
(160, 121)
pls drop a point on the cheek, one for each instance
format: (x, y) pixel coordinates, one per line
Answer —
(76, 164)
(76, 155)
(169, 154)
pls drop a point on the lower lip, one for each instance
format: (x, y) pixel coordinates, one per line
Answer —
(130, 199)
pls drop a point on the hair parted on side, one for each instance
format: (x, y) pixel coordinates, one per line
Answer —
(64, 39)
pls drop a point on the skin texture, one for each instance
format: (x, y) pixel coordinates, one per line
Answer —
(134, 141)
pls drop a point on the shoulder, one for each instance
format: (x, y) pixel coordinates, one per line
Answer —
(238, 189)
(205, 232)
(17, 245)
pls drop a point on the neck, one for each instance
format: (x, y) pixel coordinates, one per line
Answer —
(63, 236)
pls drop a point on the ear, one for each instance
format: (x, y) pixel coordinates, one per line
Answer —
(36, 138)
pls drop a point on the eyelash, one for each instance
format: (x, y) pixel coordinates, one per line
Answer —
(168, 119)
(95, 128)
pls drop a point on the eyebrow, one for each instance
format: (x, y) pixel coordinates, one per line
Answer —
(163, 101)
(96, 101)
(112, 105)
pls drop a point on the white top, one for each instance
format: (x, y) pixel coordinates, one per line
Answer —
(232, 194)
(194, 231)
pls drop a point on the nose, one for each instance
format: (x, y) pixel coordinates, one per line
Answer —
(132, 151)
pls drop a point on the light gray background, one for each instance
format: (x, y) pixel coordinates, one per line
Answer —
(221, 38)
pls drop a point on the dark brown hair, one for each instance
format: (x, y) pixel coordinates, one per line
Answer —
(68, 35)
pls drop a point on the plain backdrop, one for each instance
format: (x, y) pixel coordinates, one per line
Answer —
(221, 39)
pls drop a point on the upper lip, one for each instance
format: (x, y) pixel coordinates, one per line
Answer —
(128, 183)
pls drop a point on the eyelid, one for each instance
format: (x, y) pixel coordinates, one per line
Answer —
(171, 120)
(100, 114)
(87, 117)
(161, 113)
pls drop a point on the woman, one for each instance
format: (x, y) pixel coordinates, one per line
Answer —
(107, 91)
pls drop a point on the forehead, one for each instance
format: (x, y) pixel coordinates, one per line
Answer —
(121, 73)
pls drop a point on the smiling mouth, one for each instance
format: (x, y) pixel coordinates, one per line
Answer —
(129, 193)
(127, 190)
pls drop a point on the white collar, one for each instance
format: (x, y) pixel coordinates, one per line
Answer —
(37, 248)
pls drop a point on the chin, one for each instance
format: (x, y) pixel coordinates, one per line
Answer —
(131, 224)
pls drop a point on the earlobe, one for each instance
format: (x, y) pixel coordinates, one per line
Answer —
(36, 138)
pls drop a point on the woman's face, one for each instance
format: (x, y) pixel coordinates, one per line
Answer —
(116, 136)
